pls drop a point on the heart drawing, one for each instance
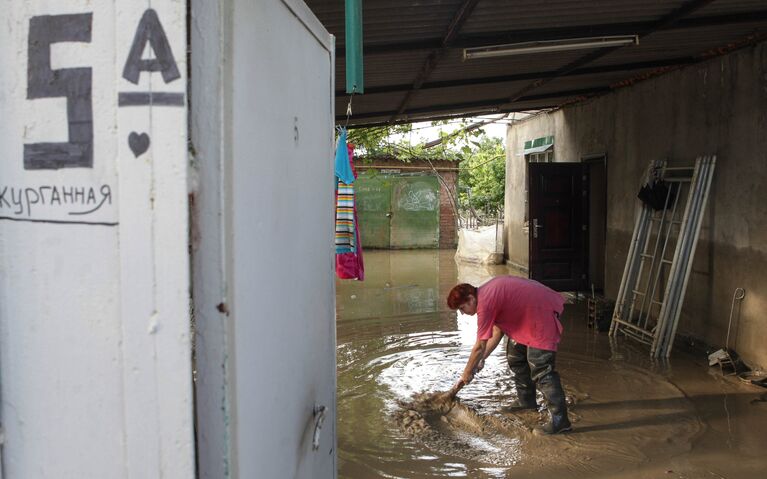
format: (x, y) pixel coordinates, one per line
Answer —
(139, 143)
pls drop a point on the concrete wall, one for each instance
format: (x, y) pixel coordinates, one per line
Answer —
(95, 365)
(718, 107)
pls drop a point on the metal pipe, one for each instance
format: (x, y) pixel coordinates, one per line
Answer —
(634, 327)
(670, 287)
(710, 165)
(739, 294)
(626, 280)
(670, 315)
(687, 239)
(678, 180)
(619, 299)
(685, 264)
(636, 337)
(355, 78)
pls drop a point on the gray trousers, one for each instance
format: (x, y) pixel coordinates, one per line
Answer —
(531, 368)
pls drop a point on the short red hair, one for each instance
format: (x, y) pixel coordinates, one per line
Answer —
(460, 294)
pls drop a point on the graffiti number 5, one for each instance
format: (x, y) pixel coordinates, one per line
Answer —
(73, 83)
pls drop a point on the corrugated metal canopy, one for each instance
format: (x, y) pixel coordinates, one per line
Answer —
(414, 66)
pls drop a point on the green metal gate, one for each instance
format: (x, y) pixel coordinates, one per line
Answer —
(398, 211)
(373, 195)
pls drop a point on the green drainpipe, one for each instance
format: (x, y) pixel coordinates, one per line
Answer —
(354, 74)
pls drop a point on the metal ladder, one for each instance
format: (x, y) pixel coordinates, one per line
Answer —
(652, 288)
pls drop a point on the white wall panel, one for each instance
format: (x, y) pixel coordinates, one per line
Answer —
(281, 242)
(95, 368)
(264, 288)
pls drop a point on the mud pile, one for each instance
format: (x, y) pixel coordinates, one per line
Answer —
(414, 415)
(428, 412)
(447, 426)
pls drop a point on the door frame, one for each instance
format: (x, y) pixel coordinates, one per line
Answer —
(594, 245)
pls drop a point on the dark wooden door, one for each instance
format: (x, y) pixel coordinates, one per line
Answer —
(558, 206)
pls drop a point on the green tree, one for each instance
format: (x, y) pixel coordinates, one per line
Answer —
(482, 171)
(377, 141)
(482, 176)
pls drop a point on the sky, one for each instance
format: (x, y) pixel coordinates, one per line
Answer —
(424, 132)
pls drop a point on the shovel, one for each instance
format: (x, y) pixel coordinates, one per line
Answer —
(450, 395)
(443, 400)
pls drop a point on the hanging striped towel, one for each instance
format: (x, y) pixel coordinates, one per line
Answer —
(345, 242)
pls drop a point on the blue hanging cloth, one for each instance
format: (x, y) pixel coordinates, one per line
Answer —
(343, 167)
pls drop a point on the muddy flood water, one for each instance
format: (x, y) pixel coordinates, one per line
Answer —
(631, 418)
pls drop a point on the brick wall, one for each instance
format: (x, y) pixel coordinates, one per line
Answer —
(448, 234)
(448, 170)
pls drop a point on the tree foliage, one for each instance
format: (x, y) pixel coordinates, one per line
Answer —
(378, 141)
(481, 158)
(482, 176)
(375, 141)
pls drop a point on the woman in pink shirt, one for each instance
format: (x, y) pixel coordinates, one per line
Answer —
(528, 313)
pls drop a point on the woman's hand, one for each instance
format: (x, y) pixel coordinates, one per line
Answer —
(480, 366)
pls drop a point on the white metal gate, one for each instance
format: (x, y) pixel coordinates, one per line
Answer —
(262, 130)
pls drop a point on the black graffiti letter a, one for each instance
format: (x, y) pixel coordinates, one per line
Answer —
(150, 31)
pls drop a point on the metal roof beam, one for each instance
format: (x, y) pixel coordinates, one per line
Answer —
(492, 104)
(500, 105)
(560, 33)
(436, 117)
(669, 62)
(460, 17)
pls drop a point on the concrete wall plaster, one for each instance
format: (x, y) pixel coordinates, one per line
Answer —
(718, 107)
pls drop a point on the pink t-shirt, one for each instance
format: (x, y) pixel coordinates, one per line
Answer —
(523, 309)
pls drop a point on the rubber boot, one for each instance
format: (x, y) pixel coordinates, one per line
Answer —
(551, 387)
(525, 396)
(523, 383)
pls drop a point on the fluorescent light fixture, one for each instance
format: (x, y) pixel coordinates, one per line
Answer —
(549, 46)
